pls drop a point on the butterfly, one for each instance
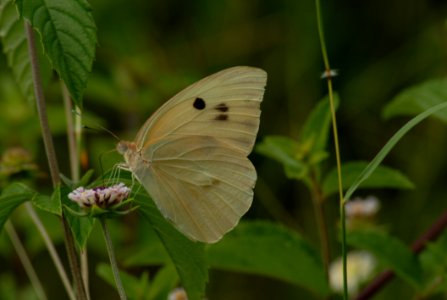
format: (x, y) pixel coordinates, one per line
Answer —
(191, 154)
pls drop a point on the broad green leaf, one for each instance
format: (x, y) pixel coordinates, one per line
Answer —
(68, 34)
(151, 254)
(382, 177)
(269, 249)
(285, 151)
(187, 256)
(136, 288)
(434, 263)
(419, 98)
(81, 227)
(50, 204)
(12, 34)
(11, 197)
(163, 283)
(389, 145)
(391, 252)
(316, 129)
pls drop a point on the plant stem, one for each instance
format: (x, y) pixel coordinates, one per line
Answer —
(51, 156)
(24, 259)
(317, 200)
(74, 142)
(113, 264)
(328, 75)
(53, 253)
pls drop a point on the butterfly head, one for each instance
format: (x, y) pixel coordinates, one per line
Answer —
(123, 146)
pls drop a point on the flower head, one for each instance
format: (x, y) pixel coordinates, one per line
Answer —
(178, 294)
(100, 198)
(362, 208)
(360, 267)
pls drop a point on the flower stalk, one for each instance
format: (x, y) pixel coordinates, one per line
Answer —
(113, 263)
(51, 156)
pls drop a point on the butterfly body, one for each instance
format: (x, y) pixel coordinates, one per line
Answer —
(191, 155)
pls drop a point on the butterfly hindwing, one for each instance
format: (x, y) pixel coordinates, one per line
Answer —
(200, 185)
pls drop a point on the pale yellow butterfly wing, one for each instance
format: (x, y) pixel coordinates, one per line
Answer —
(201, 186)
(191, 155)
(232, 99)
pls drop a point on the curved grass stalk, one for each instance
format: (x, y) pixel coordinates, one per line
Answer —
(328, 74)
(26, 262)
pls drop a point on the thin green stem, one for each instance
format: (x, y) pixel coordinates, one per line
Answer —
(113, 264)
(51, 156)
(51, 249)
(26, 262)
(328, 76)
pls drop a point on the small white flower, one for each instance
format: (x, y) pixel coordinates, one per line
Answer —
(100, 196)
(360, 267)
(178, 294)
(362, 208)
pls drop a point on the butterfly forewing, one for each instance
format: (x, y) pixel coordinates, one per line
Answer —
(229, 110)
(191, 155)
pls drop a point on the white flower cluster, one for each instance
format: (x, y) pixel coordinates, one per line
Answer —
(100, 196)
(362, 208)
(361, 265)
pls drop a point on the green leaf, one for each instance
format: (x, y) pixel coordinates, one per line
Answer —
(419, 98)
(163, 283)
(284, 150)
(187, 256)
(12, 34)
(391, 252)
(152, 254)
(136, 288)
(50, 204)
(81, 227)
(68, 34)
(389, 145)
(382, 177)
(12, 196)
(434, 263)
(316, 129)
(269, 249)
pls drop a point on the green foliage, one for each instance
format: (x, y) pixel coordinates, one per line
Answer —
(271, 250)
(50, 204)
(390, 144)
(434, 263)
(315, 131)
(11, 197)
(187, 256)
(299, 157)
(68, 35)
(15, 47)
(419, 98)
(285, 151)
(136, 288)
(391, 252)
(141, 288)
(383, 177)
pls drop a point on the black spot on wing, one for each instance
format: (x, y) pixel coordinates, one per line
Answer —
(199, 103)
(221, 107)
(221, 117)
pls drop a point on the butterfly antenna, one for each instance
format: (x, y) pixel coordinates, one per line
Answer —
(99, 127)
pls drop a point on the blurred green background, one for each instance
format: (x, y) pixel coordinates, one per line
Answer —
(149, 50)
